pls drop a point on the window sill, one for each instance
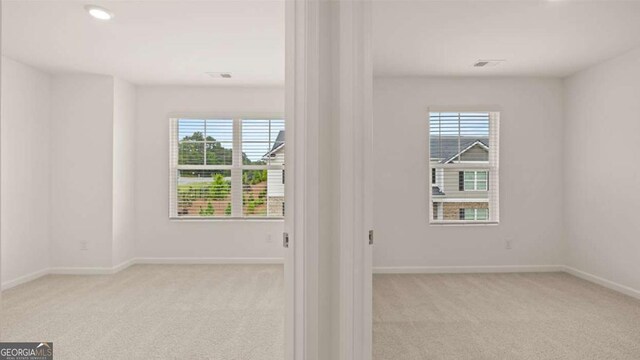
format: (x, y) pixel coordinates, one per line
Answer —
(226, 219)
(464, 223)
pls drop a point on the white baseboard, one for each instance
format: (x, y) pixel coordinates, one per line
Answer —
(81, 271)
(130, 262)
(92, 270)
(509, 269)
(376, 270)
(220, 261)
(466, 269)
(24, 279)
(160, 261)
(123, 265)
(603, 282)
(73, 270)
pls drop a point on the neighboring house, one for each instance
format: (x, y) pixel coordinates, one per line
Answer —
(275, 177)
(459, 194)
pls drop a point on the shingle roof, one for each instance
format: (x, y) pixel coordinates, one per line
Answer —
(444, 148)
(277, 144)
(279, 140)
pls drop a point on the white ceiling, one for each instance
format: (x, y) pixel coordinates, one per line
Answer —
(151, 42)
(176, 42)
(537, 38)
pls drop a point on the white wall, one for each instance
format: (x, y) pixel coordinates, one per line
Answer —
(159, 237)
(602, 172)
(530, 174)
(124, 117)
(26, 100)
(82, 165)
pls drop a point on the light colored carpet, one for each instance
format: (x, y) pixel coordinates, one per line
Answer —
(501, 316)
(222, 312)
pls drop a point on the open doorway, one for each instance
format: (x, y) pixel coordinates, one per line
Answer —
(143, 172)
(497, 132)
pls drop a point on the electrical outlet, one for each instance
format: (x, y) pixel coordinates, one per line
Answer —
(507, 244)
(84, 245)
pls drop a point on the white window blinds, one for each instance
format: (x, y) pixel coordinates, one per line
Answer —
(226, 168)
(463, 163)
(262, 165)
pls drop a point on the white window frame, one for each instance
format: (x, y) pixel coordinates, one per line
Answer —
(236, 167)
(475, 180)
(493, 166)
(475, 214)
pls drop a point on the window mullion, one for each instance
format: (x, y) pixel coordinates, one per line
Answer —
(204, 145)
(236, 170)
(173, 159)
(459, 140)
(493, 176)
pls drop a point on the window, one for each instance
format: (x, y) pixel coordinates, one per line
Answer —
(227, 168)
(474, 214)
(262, 165)
(463, 160)
(475, 180)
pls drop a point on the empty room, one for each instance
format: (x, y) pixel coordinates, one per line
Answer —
(320, 179)
(142, 178)
(505, 180)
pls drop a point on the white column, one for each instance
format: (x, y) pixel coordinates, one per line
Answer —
(301, 219)
(0, 154)
(328, 115)
(355, 143)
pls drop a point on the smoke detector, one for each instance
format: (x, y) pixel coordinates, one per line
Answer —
(488, 63)
(217, 75)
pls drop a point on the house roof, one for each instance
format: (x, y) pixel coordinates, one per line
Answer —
(277, 145)
(435, 190)
(445, 148)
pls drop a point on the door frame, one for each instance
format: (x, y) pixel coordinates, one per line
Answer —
(356, 178)
(301, 214)
(305, 32)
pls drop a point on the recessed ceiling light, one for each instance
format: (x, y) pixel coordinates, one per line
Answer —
(98, 12)
(219, 75)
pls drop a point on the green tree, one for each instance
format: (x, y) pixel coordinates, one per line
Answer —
(259, 176)
(253, 177)
(216, 153)
(183, 197)
(191, 151)
(227, 210)
(247, 161)
(251, 207)
(208, 211)
(220, 188)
